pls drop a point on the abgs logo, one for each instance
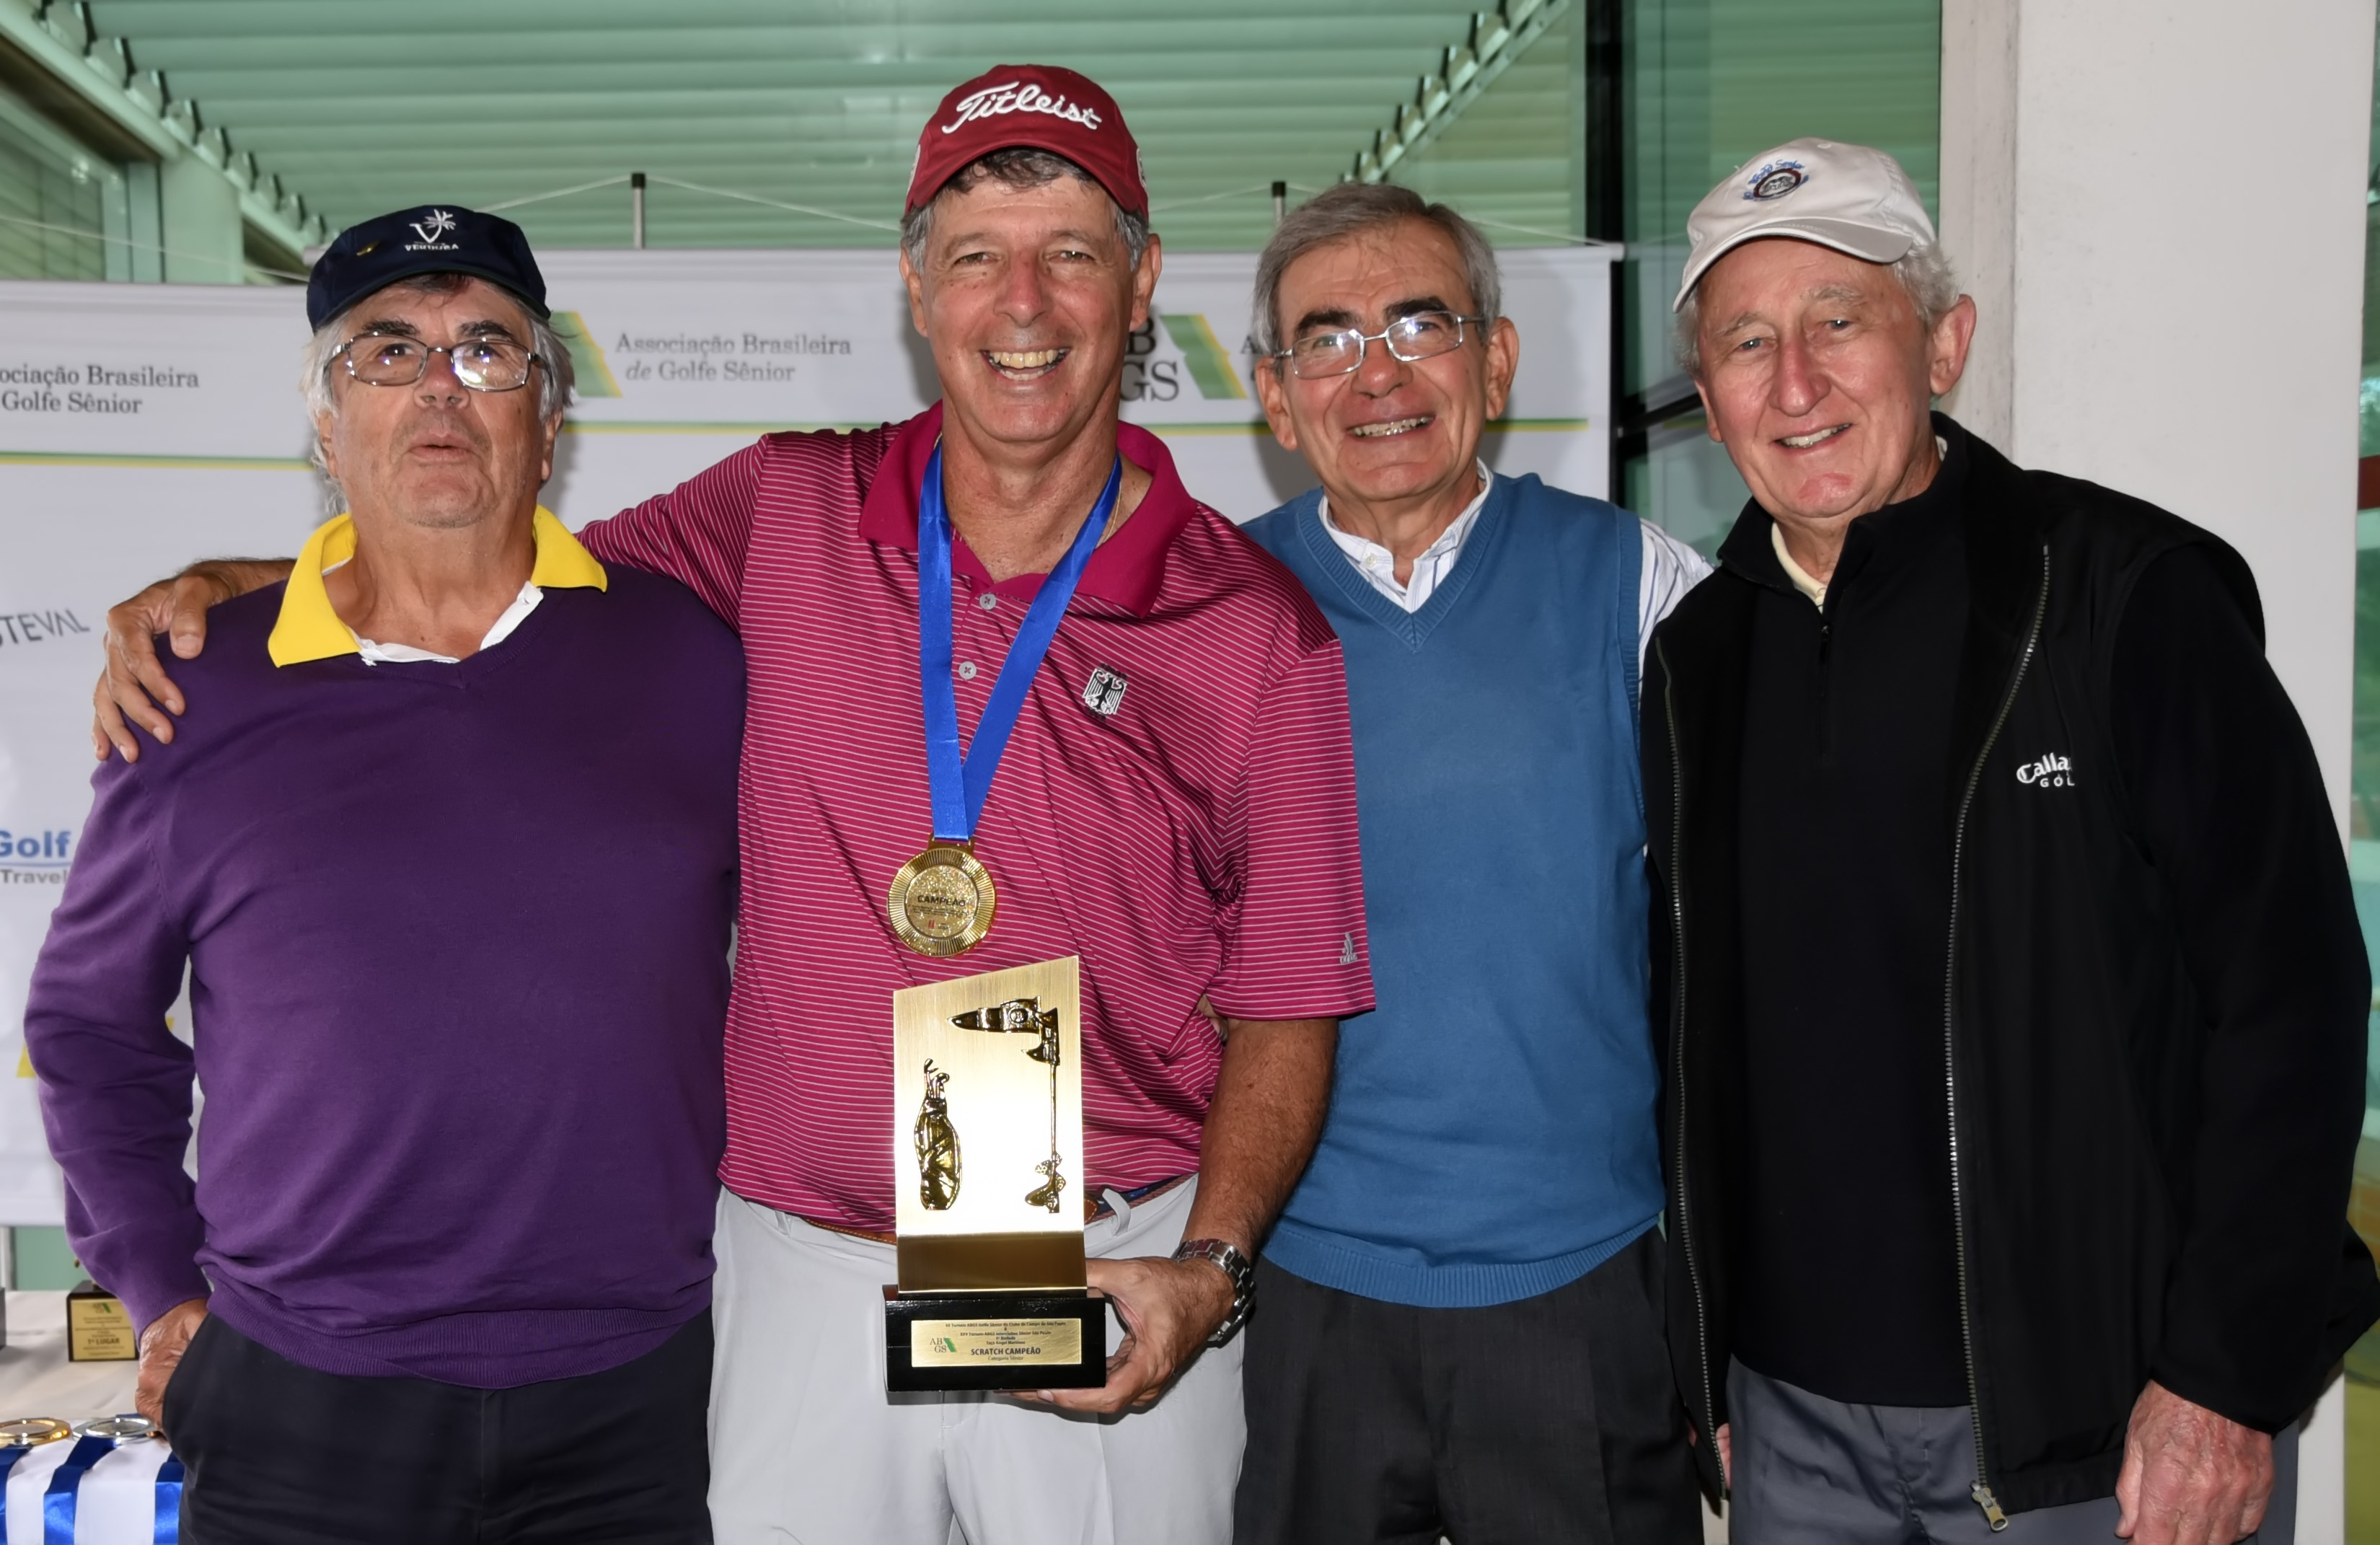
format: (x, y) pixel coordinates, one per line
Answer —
(1154, 374)
(1147, 378)
(2051, 771)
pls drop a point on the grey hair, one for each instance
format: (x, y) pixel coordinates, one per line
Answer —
(1349, 208)
(1925, 276)
(1020, 167)
(555, 382)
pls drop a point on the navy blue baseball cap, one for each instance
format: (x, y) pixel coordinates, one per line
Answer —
(435, 239)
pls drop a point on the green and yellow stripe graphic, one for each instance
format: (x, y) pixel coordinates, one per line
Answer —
(1209, 363)
(595, 378)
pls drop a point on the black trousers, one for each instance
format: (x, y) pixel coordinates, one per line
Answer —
(281, 1455)
(1547, 1421)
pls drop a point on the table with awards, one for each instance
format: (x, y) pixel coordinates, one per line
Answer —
(79, 1469)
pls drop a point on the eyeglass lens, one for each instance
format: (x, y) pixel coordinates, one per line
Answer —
(1418, 336)
(481, 364)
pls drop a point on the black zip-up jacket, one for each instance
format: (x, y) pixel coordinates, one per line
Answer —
(2149, 1176)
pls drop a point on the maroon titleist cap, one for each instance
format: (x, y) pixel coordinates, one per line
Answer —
(1040, 105)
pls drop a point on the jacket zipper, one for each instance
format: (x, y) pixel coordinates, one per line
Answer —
(1981, 1489)
(1678, 932)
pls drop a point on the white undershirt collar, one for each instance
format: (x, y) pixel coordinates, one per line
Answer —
(1378, 565)
(389, 654)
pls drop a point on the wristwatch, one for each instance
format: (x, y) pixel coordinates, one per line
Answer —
(1227, 1258)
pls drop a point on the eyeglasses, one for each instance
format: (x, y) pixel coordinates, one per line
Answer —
(489, 364)
(1418, 335)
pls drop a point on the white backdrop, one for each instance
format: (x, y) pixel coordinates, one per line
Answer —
(145, 426)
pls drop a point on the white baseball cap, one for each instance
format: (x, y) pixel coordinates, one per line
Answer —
(1850, 197)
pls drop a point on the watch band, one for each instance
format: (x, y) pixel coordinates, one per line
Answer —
(1225, 1257)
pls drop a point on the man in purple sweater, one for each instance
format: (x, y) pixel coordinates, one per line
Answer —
(447, 846)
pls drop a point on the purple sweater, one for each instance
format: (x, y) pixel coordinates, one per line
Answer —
(457, 944)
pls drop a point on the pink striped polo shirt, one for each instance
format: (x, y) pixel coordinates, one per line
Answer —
(1177, 804)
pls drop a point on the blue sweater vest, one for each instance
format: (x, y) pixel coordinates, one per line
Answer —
(1491, 1129)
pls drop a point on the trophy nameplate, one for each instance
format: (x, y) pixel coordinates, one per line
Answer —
(99, 1327)
(988, 1157)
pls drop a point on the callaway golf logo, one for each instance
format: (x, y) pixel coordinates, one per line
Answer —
(429, 230)
(1018, 97)
(2050, 770)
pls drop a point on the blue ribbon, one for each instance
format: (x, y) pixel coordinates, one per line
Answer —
(65, 1487)
(9, 1457)
(169, 1502)
(960, 782)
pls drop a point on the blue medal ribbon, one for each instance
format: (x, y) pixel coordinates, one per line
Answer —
(65, 1489)
(9, 1457)
(960, 782)
(169, 1502)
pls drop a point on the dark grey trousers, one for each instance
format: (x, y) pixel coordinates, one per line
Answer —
(283, 1455)
(1550, 1421)
(1813, 1471)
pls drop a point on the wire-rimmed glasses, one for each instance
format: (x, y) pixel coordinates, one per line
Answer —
(484, 364)
(1416, 335)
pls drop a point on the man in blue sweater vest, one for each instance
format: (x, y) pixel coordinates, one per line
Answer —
(1462, 1330)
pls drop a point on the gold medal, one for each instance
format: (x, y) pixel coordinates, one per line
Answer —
(943, 901)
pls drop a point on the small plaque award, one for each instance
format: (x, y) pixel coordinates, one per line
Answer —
(98, 1328)
(988, 1146)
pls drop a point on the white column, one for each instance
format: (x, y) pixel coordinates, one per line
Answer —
(1978, 186)
(2160, 208)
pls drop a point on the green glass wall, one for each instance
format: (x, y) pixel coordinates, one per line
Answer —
(2363, 861)
(59, 204)
(1706, 85)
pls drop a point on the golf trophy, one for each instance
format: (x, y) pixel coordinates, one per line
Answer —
(987, 1151)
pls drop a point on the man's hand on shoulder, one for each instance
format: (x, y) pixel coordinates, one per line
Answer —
(163, 1342)
(2191, 1477)
(1169, 1308)
(135, 687)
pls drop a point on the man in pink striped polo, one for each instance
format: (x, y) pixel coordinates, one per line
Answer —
(1175, 804)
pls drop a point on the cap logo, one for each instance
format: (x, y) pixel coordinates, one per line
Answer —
(1015, 97)
(429, 230)
(1775, 179)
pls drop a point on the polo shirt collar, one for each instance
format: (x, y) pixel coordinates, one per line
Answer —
(310, 628)
(1127, 569)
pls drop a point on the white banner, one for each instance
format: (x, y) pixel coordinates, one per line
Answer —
(685, 356)
(142, 427)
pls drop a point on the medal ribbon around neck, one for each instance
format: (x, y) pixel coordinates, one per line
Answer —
(947, 912)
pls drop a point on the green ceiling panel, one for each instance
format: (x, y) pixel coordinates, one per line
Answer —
(362, 106)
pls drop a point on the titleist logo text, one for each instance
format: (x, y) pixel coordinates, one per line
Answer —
(993, 101)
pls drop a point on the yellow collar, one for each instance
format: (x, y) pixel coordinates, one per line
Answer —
(309, 628)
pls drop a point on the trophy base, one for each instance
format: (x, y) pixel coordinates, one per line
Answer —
(1054, 1339)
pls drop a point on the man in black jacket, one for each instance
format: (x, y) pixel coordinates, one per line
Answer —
(2014, 998)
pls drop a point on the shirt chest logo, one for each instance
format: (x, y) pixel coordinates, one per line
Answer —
(2050, 770)
(1103, 693)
